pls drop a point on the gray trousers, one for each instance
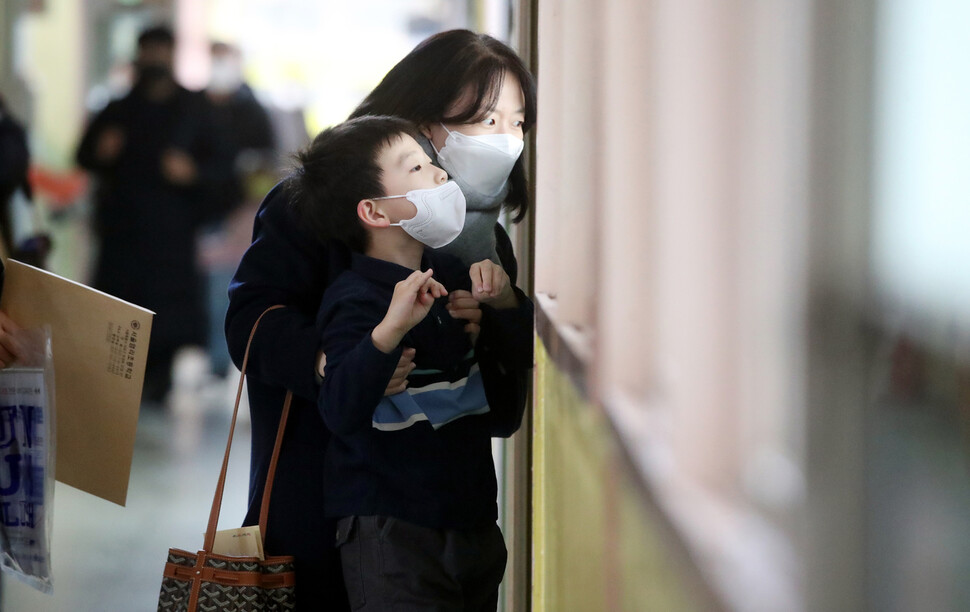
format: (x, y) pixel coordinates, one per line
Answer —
(393, 565)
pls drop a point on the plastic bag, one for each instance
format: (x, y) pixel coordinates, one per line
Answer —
(27, 445)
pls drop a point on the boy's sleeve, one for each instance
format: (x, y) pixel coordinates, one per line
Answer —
(505, 358)
(357, 373)
(283, 265)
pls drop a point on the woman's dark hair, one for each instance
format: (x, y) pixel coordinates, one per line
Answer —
(338, 170)
(423, 85)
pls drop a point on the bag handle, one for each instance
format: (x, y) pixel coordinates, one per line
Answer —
(210, 532)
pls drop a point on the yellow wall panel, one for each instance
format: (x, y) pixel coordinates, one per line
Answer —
(597, 545)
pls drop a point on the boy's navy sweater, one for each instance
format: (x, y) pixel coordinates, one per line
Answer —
(440, 477)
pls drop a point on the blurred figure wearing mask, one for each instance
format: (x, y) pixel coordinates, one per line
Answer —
(251, 147)
(159, 161)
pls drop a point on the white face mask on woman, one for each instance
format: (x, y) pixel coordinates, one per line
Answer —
(480, 163)
(440, 216)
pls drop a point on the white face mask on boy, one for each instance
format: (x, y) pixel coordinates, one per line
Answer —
(440, 217)
(481, 163)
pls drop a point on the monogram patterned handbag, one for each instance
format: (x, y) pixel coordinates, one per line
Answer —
(205, 581)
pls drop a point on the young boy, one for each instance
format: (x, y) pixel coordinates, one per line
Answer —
(410, 477)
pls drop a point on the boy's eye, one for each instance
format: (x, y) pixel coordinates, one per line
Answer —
(416, 168)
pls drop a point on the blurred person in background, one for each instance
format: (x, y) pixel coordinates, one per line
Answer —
(14, 161)
(473, 99)
(19, 240)
(251, 149)
(286, 106)
(159, 163)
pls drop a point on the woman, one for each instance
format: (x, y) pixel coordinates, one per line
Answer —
(473, 99)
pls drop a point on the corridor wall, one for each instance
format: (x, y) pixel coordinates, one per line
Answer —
(597, 544)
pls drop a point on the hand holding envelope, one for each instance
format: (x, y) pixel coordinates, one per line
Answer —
(11, 345)
(99, 348)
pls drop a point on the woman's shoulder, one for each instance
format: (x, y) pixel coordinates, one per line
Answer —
(277, 221)
(278, 200)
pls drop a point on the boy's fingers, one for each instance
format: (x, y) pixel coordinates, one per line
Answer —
(434, 288)
(428, 293)
(423, 277)
(417, 278)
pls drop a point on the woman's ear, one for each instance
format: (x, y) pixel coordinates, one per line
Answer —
(372, 214)
(425, 130)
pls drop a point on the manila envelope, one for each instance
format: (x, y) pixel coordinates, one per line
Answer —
(239, 542)
(99, 345)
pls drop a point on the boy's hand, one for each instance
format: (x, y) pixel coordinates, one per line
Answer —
(410, 303)
(461, 305)
(490, 285)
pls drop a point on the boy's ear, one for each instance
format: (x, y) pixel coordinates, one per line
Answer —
(372, 214)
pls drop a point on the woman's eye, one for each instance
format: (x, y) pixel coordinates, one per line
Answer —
(489, 122)
(517, 123)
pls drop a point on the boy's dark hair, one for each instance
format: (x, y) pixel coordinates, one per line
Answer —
(338, 170)
(159, 34)
(430, 78)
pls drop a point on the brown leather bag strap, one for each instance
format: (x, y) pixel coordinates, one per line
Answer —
(210, 532)
(271, 472)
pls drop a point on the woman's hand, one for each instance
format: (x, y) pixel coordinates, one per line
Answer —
(490, 285)
(461, 305)
(399, 381)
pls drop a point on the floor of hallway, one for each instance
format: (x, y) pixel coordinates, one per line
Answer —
(110, 558)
